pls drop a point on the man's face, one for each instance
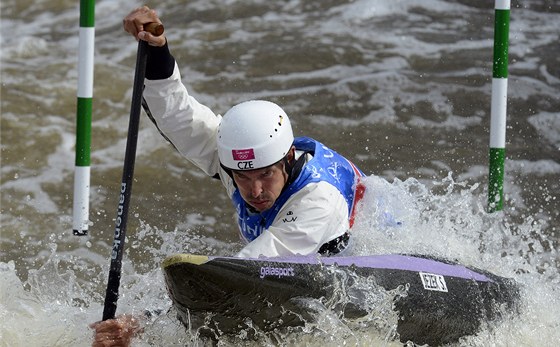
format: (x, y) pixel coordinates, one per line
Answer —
(260, 188)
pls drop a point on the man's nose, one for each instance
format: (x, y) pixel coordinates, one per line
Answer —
(256, 188)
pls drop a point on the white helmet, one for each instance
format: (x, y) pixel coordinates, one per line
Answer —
(254, 134)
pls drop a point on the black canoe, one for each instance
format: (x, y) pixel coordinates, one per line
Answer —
(436, 301)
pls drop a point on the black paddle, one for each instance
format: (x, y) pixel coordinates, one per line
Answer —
(112, 294)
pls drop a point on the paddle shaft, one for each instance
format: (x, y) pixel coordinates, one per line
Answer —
(113, 283)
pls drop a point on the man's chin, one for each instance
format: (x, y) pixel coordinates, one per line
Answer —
(261, 206)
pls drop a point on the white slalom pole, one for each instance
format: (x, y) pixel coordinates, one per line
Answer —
(80, 222)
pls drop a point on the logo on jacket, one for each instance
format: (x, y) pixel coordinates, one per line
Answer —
(290, 219)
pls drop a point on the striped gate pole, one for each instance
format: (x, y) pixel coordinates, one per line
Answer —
(84, 116)
(498, 106)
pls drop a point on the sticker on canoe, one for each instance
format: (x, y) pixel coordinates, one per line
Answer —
(276, 271)
(433, 282)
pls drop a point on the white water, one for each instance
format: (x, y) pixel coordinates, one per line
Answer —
(54, 305)
(405, 86)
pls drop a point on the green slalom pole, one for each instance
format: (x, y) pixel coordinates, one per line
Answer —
(80, 222)
(498, 107)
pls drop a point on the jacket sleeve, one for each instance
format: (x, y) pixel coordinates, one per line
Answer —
(313, 216)
(190, 126)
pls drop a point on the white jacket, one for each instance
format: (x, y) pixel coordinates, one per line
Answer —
(320, 210)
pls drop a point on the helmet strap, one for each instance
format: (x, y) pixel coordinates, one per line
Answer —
(294, 168)
(229, 172)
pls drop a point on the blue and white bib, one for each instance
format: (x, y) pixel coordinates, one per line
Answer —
(326, 165)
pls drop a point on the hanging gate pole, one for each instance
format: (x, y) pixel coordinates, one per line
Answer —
(498, 106)
(83, 115)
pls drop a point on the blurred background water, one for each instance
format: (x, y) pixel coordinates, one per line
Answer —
(402, 88)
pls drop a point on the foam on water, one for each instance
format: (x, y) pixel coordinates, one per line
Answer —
(547, 124)
(452, 225)
(387, 75)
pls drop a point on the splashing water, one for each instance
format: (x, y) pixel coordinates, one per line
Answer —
(56, 305)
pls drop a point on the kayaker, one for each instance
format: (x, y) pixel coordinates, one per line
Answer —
(292, 195)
